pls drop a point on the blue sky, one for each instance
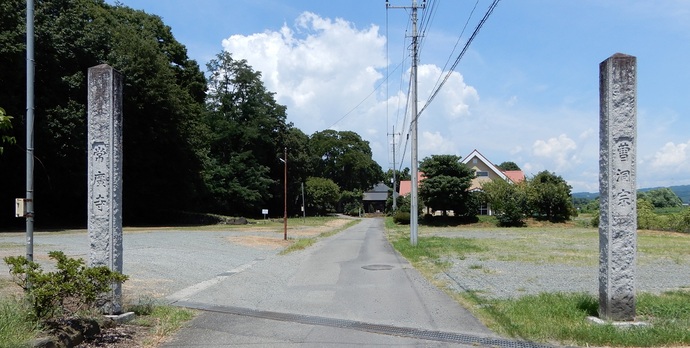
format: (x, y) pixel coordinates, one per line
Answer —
(527, 91)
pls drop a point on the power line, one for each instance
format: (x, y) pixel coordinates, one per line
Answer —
(457, 42)
(462, 53)
(365, 98)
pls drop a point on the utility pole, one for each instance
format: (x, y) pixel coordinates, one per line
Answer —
(30, 77)
(285, 198)
(413, 126)
(395, 181)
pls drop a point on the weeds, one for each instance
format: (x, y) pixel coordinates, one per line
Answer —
(17, 324)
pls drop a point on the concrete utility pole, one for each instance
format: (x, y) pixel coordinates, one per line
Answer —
(285, 198)
(30, 76)
(395, 181)
(413, 125)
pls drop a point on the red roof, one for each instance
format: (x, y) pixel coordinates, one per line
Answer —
(515, 176)
(406, 185)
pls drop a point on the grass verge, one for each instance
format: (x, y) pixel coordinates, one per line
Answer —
(303, 243)
(552, 317)
(17, 328)
(561, 318)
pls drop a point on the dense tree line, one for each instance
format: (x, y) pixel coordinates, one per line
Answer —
(192, 143)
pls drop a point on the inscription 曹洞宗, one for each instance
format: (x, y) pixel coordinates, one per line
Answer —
(617, 187)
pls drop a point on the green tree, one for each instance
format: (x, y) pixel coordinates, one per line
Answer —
(446, 185)
(5, 125)
(345, 158)
(661, 198)
(163, 103)
(549, 197)
(249, 129)
(508, 201)
(646, 218)
(322, 195)
(508, 166)
(300, 167)
(351, 202)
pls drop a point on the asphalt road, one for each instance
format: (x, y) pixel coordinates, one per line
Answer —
(351, 289)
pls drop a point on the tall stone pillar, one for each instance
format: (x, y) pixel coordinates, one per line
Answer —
(105, 174)
(617, 187)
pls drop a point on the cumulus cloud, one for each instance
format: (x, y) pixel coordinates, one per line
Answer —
(559, 150)
(435, 144)
(454, 99)
(320, 68)
(327, 71)
(672, 157)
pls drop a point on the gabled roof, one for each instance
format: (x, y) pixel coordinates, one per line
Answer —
(380, 187)
(378, 193)
(514, 176)
(488, 163)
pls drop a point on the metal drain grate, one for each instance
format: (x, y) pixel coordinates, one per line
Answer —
(378, 267)
(439, 336)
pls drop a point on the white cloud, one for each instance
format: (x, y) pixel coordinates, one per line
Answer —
(559, 150)
(435, 144)
(588, 133)
(672, 157)
(321, 68)
(453, 100)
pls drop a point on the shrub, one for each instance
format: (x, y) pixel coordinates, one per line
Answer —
(71, 288)
(402, 218)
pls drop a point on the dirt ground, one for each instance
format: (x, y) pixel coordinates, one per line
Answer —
(278, 242)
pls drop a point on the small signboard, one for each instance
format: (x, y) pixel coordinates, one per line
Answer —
(264, 212)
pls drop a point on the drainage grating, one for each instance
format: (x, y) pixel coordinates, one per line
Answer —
(378, 267)
(439, 336)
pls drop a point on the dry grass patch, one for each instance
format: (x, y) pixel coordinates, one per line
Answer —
(258, 242)
(294, 233)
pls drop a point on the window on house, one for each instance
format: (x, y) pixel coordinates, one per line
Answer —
(484, 209)
(474, 161)
(482, 173)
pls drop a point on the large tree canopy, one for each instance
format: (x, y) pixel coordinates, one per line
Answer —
(549, 197)
(345, 158)
(446, 183)
(248, 133)
(163, 102)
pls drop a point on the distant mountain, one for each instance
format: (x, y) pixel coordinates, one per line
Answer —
(682, 191)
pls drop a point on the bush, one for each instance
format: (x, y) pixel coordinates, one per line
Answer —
(71, 288)
(402, 218)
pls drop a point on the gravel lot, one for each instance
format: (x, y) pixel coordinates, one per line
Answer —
(508, 279)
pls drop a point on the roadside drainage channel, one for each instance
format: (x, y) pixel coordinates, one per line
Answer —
(440, 336)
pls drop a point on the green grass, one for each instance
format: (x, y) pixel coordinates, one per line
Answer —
(17, 328)
(430, 253)
(303, 243)
(558, 318)
(561, 318)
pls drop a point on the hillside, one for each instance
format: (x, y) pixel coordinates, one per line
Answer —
(682, 191)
